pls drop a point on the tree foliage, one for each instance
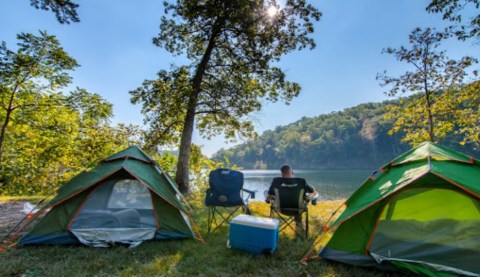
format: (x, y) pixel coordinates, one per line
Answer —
(47, 136)
(232, 47)
(65, 10)
(461, 13)
(37, 68)
(48, 145)
(355, 138)
(433, 75)
(466, 113)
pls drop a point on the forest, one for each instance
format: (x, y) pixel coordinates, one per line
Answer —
(355, 138)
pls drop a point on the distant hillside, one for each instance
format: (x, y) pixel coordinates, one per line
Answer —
(353, 138)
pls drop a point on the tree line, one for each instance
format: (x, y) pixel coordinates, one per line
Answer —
(355, 138)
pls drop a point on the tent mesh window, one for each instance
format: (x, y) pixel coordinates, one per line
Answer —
(432, 226)
(117, 204)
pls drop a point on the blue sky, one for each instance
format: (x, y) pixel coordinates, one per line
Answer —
(113, 44)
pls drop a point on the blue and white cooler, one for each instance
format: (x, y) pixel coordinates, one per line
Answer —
(254, 234)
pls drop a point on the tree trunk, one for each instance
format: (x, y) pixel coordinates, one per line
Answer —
(183, 164)
(429, 113)
(430, 121)
(2, 135)
(8, 115)
(4, 127)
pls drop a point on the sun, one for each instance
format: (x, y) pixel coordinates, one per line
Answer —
(272, 11)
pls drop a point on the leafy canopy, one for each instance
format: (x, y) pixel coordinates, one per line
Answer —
(47, 145)
(46, 136)
(236, 44)
(40, 63)
(38, 67)
(65, 10)
(461, 13)
(434, 76)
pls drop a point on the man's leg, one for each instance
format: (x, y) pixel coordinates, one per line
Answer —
(299, 224)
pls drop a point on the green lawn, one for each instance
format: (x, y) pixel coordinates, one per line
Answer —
(20, 198)
(180, 258)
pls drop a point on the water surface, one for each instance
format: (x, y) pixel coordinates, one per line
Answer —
(330, 184)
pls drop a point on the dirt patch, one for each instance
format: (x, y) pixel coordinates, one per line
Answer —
(10, 215)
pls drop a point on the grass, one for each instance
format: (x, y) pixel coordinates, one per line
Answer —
(182, 257)
(4, 198)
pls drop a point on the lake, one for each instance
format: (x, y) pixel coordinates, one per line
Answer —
(330, 184)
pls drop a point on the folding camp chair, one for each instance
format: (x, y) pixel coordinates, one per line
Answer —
(225, 196)
(288, 203)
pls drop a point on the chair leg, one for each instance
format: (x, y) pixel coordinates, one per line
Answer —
(306, 224)
(246, 210)
(292, 222)
(212, 219)
(214, 211)
(209, 223)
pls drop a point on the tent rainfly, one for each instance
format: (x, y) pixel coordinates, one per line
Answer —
(420, 214)
(126, 199)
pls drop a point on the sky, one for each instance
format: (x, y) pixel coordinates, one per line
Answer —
(113, 44)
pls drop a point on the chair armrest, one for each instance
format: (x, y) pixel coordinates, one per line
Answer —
(208, 196)
(251, 192)
(311, 196)
(271, 201)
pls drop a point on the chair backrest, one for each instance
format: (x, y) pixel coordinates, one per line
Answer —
(289, 195)
(225, 187)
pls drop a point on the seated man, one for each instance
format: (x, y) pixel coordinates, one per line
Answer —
(287, 172)
(286, 180)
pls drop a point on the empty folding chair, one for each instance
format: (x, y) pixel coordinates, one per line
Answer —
(225, 196)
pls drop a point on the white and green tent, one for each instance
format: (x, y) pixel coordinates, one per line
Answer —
(127, 199)
(420, 213)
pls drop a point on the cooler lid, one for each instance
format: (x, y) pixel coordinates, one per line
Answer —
(256, 221)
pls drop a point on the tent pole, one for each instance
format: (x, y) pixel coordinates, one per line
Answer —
(200, 237)
(22, 224)
(319, 236)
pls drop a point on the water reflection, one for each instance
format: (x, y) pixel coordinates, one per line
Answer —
(331, 184)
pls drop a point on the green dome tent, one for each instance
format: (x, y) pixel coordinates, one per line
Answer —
(420, 213)
(127, 199)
